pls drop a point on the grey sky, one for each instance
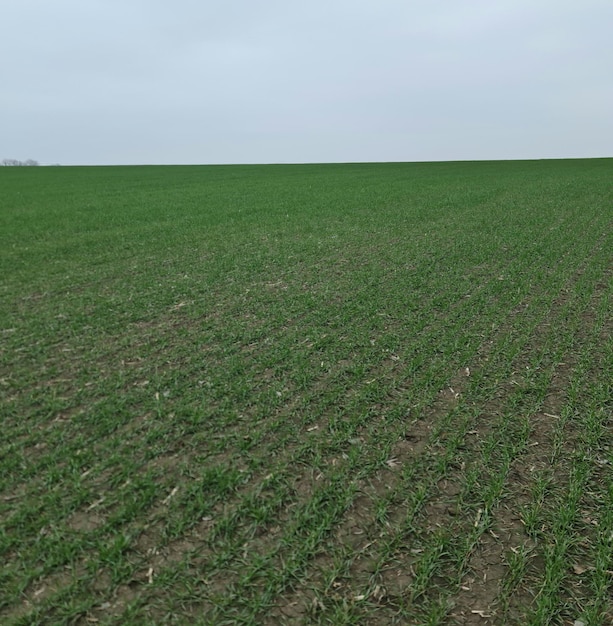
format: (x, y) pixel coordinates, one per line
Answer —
(248, 81)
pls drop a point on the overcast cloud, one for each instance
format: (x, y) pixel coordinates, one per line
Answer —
(248, 81)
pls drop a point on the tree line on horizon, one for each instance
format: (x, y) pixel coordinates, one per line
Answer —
(17, 162)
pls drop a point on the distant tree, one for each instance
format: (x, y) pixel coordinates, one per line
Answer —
(17, 163)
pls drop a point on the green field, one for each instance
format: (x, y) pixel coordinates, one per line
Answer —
(324, 394)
